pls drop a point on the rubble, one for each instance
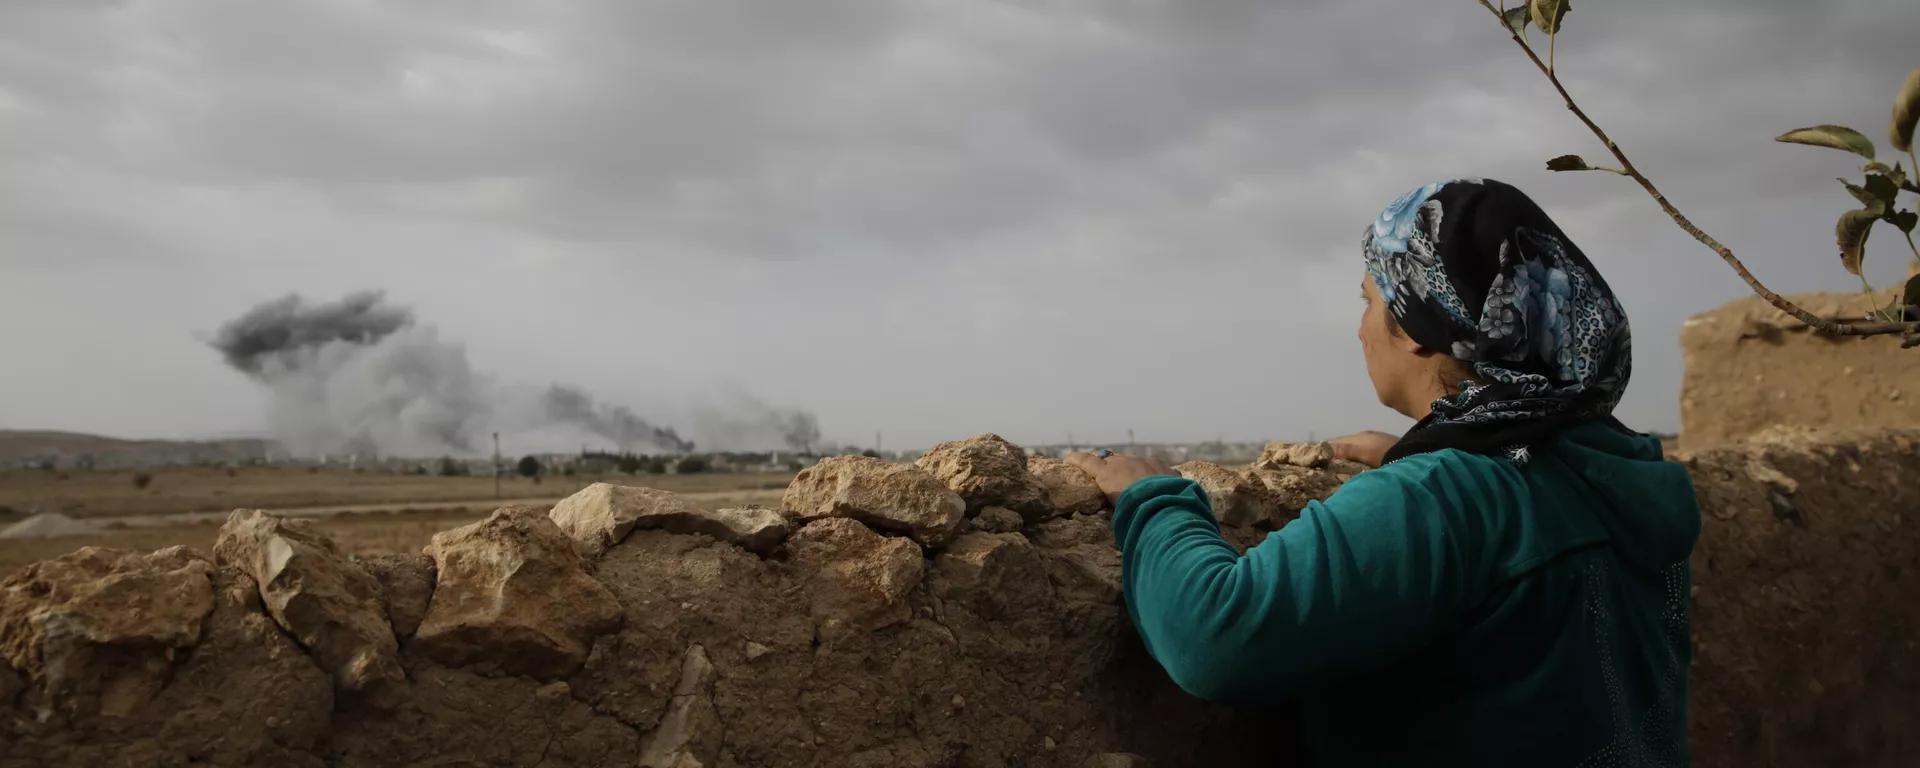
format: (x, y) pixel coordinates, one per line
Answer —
(881, 494)
(1288, 489)
(96, 631)
(601, 515)
(406, 587)
(330, 605)
(1065, 488)
(997, 520)
(1236, 497)
(513, 593)
(987, 471)
(857, 579)
(1309, 455)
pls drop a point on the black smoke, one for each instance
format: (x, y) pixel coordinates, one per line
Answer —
(362, 375)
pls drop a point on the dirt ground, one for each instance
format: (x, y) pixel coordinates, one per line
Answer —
(1750, 366)
(367, 514)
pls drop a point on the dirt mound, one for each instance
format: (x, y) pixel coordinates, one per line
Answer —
(47, 525)
(860, 627)
(1750, 366)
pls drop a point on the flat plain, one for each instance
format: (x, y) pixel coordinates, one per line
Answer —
(367, 513)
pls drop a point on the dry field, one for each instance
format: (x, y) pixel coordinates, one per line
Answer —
(367, 514)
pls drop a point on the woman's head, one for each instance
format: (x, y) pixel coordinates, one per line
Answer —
(1407, 376)
(1481, 312)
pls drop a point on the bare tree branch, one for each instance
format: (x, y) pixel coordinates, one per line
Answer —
(1825, 325)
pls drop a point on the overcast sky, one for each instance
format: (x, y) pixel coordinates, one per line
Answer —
(929, 217)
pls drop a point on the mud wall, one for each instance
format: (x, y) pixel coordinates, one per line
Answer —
(965, 612)
(1750, 366)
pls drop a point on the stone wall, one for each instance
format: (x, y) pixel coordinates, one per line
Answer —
(964, 612)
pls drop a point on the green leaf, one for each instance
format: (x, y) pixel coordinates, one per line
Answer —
(1517, 18)
(1568, 163)
(1851, 235)
(1906, 112)
(1905, 220)
(1835, 136)
(1548, 13)
(1875, 167)
(1910, 297)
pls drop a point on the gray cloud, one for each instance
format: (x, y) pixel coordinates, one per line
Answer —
(924, 218)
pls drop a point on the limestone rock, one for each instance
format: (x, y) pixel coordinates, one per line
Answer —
(999, 576)
(756, 650)
(96, 630)
(406, 581)
(1763, 473)
(753, 528)
(1234, 496)
(514, 593)
(986, 471)
(1311, 455)
(602, 514)
(1288, 489)
(688, 734)
(997, 520)
(331, 605)
(973, 561)
(884, 495)
(1347, 467)
(858, 580)
(1116, 760)
(1065, 488)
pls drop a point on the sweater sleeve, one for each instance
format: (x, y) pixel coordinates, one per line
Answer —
(1358, 582)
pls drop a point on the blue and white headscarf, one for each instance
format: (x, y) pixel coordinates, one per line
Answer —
(1474, 269)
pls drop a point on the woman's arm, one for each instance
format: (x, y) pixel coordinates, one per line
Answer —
(1358, 582)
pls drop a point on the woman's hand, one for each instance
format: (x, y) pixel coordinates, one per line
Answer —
(1369, 448)
(1114, 473)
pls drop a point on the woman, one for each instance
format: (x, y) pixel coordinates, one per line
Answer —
(1510, 586)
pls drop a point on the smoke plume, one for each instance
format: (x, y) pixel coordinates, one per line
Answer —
(362, 375)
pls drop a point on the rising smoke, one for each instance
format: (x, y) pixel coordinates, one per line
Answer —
(360, 375)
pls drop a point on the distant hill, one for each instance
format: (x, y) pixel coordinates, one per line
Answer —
(20, 448)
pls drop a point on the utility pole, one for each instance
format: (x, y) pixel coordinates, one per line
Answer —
(496, 466)
(876, 441)
(1129, 441)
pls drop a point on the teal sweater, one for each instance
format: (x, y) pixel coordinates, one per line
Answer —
(1446, 609)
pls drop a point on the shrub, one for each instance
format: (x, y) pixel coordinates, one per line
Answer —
(529, 467)
(692, 465)
(142, 480)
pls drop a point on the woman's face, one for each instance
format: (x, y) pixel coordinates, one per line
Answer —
(1394, 362)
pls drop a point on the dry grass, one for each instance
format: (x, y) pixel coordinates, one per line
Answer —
(81, 493)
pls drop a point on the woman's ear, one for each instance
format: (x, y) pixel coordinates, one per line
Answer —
(1405, 343)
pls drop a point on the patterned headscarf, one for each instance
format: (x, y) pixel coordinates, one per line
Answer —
(1474, 269)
